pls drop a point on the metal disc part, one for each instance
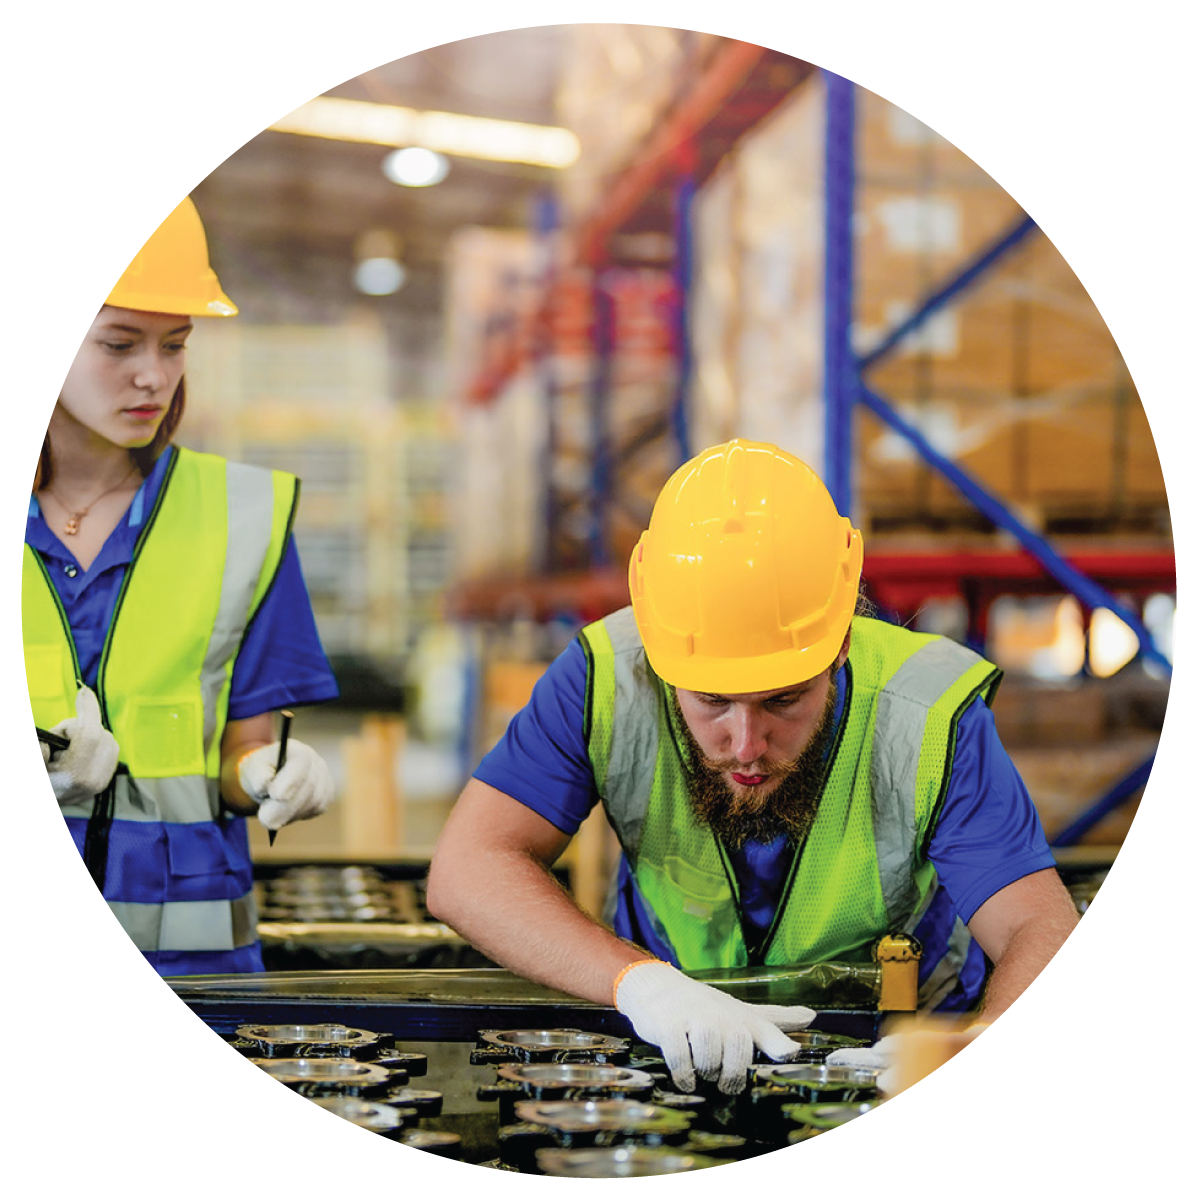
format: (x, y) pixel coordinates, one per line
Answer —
(327, 1076)
(587, 1116)
(619, 1162)
(828, 1116)
(554, 1045)
(305, 1041)
(549, 1079)
(390, 1120)
(815, 1081)
(816, 1046)
(790, 1074)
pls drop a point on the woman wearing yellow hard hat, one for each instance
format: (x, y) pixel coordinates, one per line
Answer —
(165, 618)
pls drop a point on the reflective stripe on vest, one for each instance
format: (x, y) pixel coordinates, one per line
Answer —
(203, 562)
(863, 870)
(189, 924)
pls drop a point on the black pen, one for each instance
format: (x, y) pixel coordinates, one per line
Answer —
(284, 729)
(53, 740)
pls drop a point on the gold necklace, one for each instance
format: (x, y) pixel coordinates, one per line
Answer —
(73, 518)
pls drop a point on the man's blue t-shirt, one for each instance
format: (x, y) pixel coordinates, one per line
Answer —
(988, 834)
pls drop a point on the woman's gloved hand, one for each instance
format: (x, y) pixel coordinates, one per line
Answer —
(84, 768)
(301, 790)
(700, 1030)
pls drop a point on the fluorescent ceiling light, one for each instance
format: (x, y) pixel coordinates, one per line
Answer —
(415, 166)
(449, 133)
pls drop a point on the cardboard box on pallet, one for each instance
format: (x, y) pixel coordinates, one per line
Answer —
(617, 83)
(1033, 715)
(1018, 379)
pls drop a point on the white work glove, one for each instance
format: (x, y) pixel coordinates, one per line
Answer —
(882, 1057)
(701, 1030)
(83, 769)
(877, 1057)
(303, 789)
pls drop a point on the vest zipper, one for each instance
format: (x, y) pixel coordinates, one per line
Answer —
(62, 615)
(102, 669)
(757, 953)
(99, 826)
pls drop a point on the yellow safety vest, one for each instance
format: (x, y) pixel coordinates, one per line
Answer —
(863, 870)
(205, 558)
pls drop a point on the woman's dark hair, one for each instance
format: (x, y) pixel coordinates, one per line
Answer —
(144, 456)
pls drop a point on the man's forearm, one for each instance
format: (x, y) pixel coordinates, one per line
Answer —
(509, 907)
(490, 880)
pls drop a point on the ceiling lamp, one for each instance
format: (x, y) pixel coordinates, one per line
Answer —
(448, 133)
(414, 166)
(378, 270)
(379, 276)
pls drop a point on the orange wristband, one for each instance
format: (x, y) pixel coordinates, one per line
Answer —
(625, 971)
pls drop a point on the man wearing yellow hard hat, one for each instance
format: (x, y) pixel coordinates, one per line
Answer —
(165, 617)
(789, 778)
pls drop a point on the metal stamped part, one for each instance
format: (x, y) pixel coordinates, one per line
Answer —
(817, 1076)
(815, 1046)
(317, 1076)
(386, 1119)
(303, 1041)
(586, 1116)
(554, 1045)
(576, 1077)
(828, 1116)
(619, 1162)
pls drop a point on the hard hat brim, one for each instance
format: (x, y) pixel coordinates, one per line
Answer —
(765, 673)
(220, 306)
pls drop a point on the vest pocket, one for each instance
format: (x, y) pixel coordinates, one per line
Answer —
(168, 737)
(702, 892)
(195, 850)
(45, 671)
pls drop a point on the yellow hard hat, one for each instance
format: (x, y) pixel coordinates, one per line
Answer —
(171, 272)
(747, 578)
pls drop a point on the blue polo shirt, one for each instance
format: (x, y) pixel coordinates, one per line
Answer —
(988, 834)
(281, 663)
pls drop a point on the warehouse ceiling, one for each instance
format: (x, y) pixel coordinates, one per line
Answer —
(286, 213)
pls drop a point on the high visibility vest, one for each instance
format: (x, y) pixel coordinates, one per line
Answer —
(177, 870)
(863, 869)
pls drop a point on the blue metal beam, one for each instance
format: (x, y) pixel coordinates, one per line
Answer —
(944, 294)
(600, 390)
(844, 388)
(1113, 799)
(841, 369)
(545, 223)
(1090, 592)
(685, 196)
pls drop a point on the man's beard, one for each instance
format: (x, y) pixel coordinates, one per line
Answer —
(747, 815)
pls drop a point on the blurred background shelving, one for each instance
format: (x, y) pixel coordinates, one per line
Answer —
(481, 445)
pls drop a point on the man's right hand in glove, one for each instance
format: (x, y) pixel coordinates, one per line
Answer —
(84, 768)
(700, 1030)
